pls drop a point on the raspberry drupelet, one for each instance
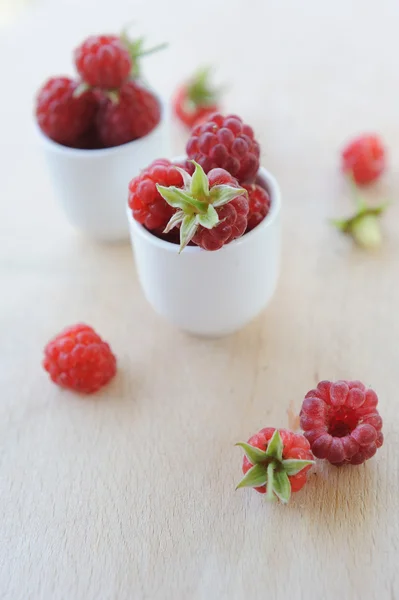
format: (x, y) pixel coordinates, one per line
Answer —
(341, 421)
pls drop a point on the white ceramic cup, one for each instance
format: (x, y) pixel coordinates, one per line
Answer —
(92, 184)
(212, 293)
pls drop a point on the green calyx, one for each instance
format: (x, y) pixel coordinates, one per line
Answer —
(136, 51)
(271, 469)
(199, 90)
(196, 203)
(363, 226)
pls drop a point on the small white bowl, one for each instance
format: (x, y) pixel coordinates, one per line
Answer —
(92, 184)
(212, 293)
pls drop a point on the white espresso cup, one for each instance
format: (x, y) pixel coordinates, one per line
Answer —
(212, 293)
(92, 184)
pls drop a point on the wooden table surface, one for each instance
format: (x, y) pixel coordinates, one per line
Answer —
(130, 494)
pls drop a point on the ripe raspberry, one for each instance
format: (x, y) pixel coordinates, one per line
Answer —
(341, 422)
(259, 204)
(196, 100)
(133, 116)
(78, 359)
(60, 115)
(103, 61)
(364, 158)
(148, 206)
(225, 142)
(211, 212)
(276, 461)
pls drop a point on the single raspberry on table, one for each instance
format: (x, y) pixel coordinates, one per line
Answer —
(276, 461)
(62, 116)
(211, 210)
(147, 205)
(196, 100)
(78, 359)
(364, 159)
(134, 114)
(259, 204)
(341, 421)
(225, 142)
(103, 61)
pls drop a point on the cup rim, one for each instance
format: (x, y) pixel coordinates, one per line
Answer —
(82, 152)
(275, 207)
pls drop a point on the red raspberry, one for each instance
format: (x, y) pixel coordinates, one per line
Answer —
(78, 359)
(148, 206)
(232, 216)
(364, 158)
(225, 142)
(135, 114)
(213, 211)
(103, 61)
(60, 115)
(278, 457)
(341, 422)
(196, 100)
(259, 204)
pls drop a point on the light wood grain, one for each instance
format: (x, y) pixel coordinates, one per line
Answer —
(130, 494)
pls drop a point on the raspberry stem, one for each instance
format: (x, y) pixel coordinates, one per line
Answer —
(363, 226)
(270, 480)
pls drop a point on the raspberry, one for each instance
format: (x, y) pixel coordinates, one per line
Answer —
(133, 116)
(78, 359)
(60, 115)
(364, 159)
(195, 101)
(276, 461)
(259, 204)
(341, 422)
(225, 142)
(103, 61)
(148, 206)
(212, 211)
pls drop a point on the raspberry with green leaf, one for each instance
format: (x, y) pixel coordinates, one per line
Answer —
(210, 210)
(196, 99)
(276, 461)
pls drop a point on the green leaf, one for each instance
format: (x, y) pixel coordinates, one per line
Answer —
(341, 224)
(199, 182)
(186, 178)
(187, 230)
(255, 477)
(275, 447)
(292, 466)
(222, 194)
(282, 486)
(175, 220)
(210, 219)
(254, 455)
(178, 198)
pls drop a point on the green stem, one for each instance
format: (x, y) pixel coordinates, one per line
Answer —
(152, 50)
(270, 480)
